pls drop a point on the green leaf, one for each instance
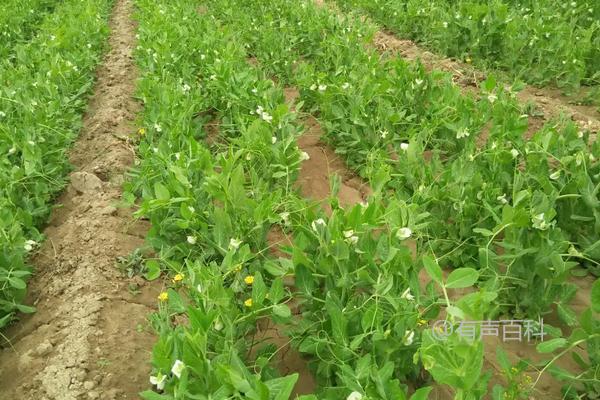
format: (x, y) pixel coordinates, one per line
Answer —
(17, 283)
(422, 393)
(551, 345)
(150, 395)
(282, 310)
(596, 296)
(282, 387)
(161, 192)
(462, 278)
(433, 269)
(152, 270)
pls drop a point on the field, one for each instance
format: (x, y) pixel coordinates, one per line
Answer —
(313, 200)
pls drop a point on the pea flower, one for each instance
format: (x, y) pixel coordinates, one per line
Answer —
(304, 156)
(316, 223)
(539, 222)
(354, 396)
(191, 239)
(218, 325)
(408, 338)
(404, 233)
(515, 153)
(407, 295)
(404, 146)
(384, 134)
(159, 381)
(178, 368)
(502, 199)
(345, 86)
(462, 133)
(322, 88)
(157, 127)
(29, 245)
(234, 243)
(555, 175)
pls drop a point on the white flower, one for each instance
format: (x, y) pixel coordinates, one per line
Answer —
(186, 88)
(31, 142)
(419, 82)
(158, 380)
(539, 222)
(218, 325)
(285, 217)
(352, 240)
(274, 139)
(191, 239)
(52, 37)
(348, 233)
(199, 288)
(494, 145)
(555, 175)
(492, 98)
(354, 396)
(345, 86)
(404, 146)
(407, 295)
(191, 209)
(404, 233)
(157, 127)
(445, 24)
(12, 150)
(502, 199)
(266, 117)
(2, 114)
(408, 338)
(580, 134)
(322, 88)
(462, 133)
(313, 87)
(177, 368)
(515, 153)
(234, 243)
(304, 156)
(316, 223)
(384, 133)
(29, 245)
(364, 204)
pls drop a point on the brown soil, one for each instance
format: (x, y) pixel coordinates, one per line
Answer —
(549, 101)
(89, 337)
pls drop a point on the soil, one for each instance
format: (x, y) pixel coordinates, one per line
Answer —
(89, 338)
(550, 103)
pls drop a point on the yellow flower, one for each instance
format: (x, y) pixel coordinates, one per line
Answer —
(238, 268)
(163, 296)
(142, 131)
(248, 303)
(249, 280)
(178, 278)
(422, 322)
(468, 60)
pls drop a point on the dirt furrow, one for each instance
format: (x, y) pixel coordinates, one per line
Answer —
(89, 338)
(549, 103)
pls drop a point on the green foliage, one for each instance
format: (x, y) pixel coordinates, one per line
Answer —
(42, 98)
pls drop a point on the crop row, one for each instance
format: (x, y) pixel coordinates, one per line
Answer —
(42, 98)
(538, 41)
(363, 311)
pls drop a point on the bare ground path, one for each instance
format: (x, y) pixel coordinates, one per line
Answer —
(89, 338)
